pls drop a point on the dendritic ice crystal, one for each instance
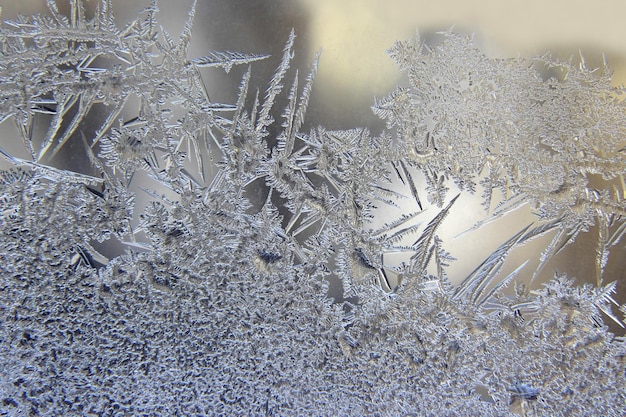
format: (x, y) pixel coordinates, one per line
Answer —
(219, 300)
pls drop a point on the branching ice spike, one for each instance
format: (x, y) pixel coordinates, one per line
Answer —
(602, 253)
(306, 94)
(275, 87)
(226, 59)
(387, 227)
(77, 14)
(412, 187)
(54, 174)
(241, 100)
(63, 104)
(61, 20)
(110, 120)
(422, 244)
(85, 102)
(474, 284)
(185, 35)
(603, 300)
(286, 140)
(482, 298)
(548, 253)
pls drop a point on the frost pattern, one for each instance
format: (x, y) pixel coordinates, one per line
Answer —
(224, 307)
(464, 114)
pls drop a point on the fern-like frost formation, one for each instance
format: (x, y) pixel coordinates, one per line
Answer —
(220, 301)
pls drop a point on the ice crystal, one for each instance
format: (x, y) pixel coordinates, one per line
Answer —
(220, 302)
(543, 139)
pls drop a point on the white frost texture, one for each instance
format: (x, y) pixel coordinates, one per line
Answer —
(218, 300)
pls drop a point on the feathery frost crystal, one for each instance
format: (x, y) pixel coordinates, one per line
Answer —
(219, 301)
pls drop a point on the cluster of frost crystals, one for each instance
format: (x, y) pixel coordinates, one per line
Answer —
(543, 130)
(224, 308)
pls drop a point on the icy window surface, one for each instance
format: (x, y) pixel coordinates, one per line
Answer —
(207, 258)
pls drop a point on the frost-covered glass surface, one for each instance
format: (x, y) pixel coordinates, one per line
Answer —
(163, 252)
